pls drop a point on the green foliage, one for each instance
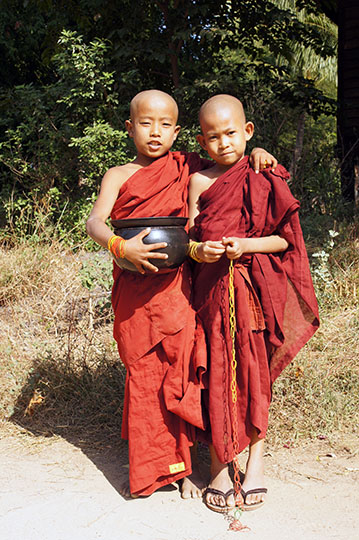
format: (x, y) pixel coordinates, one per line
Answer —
(61, 122)
(96, 276)
(57, 142)
(23, 31)
(85, 86)
(97, 272)
(100, 147)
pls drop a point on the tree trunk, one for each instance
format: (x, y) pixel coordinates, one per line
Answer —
(297, 154)
(348, 94)
(174, 46)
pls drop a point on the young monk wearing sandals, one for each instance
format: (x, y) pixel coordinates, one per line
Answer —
(252, 220)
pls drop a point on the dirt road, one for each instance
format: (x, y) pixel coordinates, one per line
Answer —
(51, 490)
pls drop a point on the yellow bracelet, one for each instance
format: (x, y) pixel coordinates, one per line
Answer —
(122, 248)
(192, 251)
(117, 246)
(111, 241)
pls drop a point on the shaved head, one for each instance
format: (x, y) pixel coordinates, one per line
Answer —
(153, 124)
(219, 103)
(153, 98)
(225, 131)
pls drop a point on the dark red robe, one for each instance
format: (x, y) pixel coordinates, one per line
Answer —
(276, 307)
(154, 328)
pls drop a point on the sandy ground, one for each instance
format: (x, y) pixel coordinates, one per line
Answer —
(51, 490)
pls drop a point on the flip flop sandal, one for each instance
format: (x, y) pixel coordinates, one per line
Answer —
(215, 507)
(253, 506)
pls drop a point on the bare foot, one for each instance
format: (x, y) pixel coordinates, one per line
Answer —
(193, 485)
(125, 491)
(221, 481)
(254, 476)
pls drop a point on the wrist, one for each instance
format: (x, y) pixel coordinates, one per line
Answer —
(117, 246)
(192, 251)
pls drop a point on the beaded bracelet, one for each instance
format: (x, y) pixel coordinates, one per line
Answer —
(192, 251)
(117, 246)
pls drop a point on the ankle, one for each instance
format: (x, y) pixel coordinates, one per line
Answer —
(220, 469)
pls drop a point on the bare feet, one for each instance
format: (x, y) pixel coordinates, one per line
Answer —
(221, 481)
(254, 476)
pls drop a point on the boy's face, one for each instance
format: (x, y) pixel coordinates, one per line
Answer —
(153, 124)
(225, 133)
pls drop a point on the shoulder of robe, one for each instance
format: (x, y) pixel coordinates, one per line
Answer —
(181, 155)
(280, 172)
(275, 185)
(193, 161)
(278, 180)
(279, 186)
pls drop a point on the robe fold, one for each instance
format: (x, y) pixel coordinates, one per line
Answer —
(155, 330)
(276, 308)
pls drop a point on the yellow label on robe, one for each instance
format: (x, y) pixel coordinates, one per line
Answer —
(177, 467)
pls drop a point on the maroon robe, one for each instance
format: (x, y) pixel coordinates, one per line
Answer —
(154, 328)
(276, 307)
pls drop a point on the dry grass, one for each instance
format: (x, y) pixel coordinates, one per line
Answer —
(60, 373)
(318, 394)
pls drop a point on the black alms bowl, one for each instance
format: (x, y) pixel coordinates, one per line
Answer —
(163, 229)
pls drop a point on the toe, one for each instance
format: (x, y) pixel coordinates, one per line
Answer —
(230, 502)
(197, 493)
(215, 500)
(191, 488)
(125, 490)
(255, 498)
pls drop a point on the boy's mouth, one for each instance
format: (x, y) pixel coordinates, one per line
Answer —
(154, 144)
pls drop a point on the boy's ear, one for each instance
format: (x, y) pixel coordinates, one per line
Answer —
(249, 130)
(201, 141)
(129, 127)
(177, 130)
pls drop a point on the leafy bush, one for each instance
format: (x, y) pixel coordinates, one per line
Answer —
(56, 143)
(58, 138)
(100, 147)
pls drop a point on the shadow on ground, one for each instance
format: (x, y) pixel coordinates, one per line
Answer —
(83, 405)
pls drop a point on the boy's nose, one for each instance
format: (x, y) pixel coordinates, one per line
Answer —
(223, 142)
(155, 130)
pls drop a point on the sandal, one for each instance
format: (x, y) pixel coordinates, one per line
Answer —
(253, 506)
(216, 507)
